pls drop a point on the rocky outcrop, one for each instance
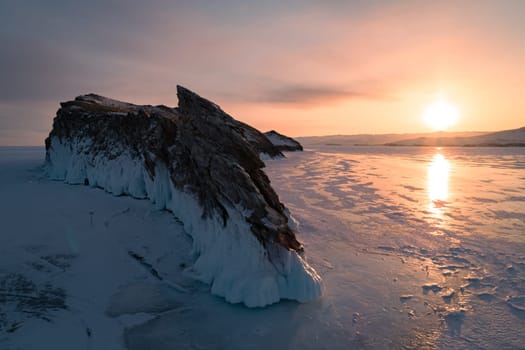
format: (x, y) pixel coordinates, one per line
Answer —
(282, 142)
(204, 166)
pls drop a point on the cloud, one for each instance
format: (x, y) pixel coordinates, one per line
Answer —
(32, 71)
(297, 94)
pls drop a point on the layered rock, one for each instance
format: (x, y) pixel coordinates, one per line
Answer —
(282, 142)
(205, 167)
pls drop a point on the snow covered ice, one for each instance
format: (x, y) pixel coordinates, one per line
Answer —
(404, 264)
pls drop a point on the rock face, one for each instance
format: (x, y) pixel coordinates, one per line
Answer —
(283, 143)
(204, 166)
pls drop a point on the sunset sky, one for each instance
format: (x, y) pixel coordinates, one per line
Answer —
(300, 67)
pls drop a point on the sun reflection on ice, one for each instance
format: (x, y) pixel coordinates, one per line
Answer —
(437, 186)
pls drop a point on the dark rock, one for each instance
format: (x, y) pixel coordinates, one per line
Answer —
(282, 142)
(213, 152)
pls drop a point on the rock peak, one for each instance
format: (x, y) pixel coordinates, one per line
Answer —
(192, 104)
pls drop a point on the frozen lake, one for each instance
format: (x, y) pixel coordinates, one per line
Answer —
(426, 244)
(419, 248)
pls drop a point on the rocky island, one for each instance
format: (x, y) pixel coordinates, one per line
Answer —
(202, 165)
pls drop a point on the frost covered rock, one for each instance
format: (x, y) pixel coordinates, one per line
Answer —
(204, 166)
(282, 142)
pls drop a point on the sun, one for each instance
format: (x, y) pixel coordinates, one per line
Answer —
(441, 114)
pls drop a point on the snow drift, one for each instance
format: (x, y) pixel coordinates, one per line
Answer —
(202, 165)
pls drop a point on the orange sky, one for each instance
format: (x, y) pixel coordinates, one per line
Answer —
(300, 67)
(399, 62)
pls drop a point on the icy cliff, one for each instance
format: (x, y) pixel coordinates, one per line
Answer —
(202, 165)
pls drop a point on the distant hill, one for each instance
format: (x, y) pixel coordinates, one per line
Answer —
(506, 138)
(376, 139)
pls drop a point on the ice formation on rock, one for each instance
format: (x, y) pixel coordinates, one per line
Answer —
(201, 164)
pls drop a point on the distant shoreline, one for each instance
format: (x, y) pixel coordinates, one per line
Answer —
(422, 145)
(451, 145)
(504, 138)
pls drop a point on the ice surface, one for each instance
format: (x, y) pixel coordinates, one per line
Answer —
(459, 217)
(140, 297)
(365, 218)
